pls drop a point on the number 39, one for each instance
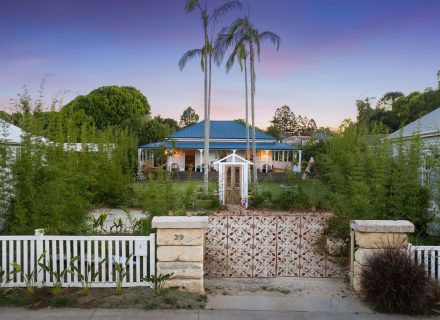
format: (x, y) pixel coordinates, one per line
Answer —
(178, 237)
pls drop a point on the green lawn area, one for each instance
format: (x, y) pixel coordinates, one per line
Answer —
(313, 188)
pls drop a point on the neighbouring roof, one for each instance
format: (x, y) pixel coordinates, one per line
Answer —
(427, 125)
(9, 133)
(218, 145)
(219, 129)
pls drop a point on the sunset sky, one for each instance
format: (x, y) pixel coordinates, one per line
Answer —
(332, 53)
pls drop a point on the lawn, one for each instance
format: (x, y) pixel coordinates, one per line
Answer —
(314, 189)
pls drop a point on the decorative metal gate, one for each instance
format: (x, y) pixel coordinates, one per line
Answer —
(245, 246)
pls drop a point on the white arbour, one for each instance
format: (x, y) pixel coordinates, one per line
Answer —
(236, 160)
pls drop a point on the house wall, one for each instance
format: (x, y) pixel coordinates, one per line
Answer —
(179, 159)
(263, 157)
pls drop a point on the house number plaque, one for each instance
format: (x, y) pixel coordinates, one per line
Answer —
(178, 237)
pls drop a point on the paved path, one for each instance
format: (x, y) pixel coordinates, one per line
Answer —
(136, 314)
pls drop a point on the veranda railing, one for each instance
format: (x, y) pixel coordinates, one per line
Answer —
(96, 254)
(429, 257)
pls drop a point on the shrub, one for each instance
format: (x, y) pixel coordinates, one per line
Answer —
(257, 201)
(393, 282)
(292, 199)
(337, 226)
(370, 177)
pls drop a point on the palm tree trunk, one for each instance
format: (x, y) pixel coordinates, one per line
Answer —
(254, 144)
(248, 150)
(206, 135)
(208, 126)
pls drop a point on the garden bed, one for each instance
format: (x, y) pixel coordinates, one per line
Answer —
(138, 297)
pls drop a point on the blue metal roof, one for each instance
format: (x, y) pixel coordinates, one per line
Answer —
(218, 145)
(219, 130)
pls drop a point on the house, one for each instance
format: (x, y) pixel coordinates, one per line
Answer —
(184, 149)
(10, 136)
(302, 141)
(428, 129)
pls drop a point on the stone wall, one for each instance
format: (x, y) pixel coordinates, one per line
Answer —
(180, 243)
(369, 236)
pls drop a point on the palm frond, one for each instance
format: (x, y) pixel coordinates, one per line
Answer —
(230, 62)
(225, 8)
(256, 41)
(272, 37)
(220, 46)
(191, 5)
(187, 56)
(239, 52)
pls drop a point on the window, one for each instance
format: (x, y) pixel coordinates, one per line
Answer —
(284, 156)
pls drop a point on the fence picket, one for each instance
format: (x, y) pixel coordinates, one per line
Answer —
(32, 259)
(18, 260)
(61, 256)
(131, 261)
(11, 257)
(429, 258)
(4, 257)
(25, 257)
(110, 261)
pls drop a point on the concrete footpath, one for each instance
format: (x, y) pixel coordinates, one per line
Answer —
(135, 314)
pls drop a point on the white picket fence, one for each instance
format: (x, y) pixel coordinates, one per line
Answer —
(58, 251)
(429, 257)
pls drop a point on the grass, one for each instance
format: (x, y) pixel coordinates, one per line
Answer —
(314, 188)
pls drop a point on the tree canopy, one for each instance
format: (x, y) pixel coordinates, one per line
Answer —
(188, 117)
(156, 129)
(111, 106)
(285, 123)
(395, 110)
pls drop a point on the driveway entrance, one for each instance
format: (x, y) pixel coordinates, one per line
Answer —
(268, 245)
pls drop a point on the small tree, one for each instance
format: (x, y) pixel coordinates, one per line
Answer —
(188, 117)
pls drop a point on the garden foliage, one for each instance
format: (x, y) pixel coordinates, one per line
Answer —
(392, 281)
(54, 181)
(370, 177)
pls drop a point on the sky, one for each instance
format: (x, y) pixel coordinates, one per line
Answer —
(332, 53)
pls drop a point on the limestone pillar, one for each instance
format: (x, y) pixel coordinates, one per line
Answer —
(180, 242)
(369, 236)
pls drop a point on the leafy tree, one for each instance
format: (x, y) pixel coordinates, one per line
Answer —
(243, 33)
(155, 130)
(174, 126)
(188, 117)
(111, 106)
(395, 110)
(284, 120)
(274, 132)
(206, 53)
(288, 123)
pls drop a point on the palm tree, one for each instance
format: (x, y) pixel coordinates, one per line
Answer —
(241, 55)
(206, 52)
(242, 33)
